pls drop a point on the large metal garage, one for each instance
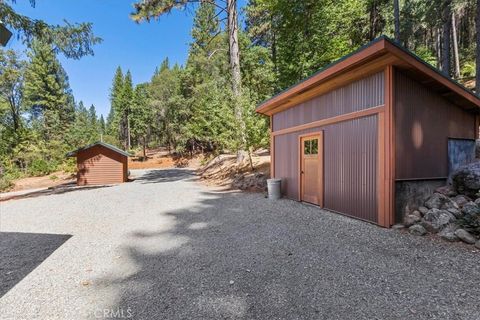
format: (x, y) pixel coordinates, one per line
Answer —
(369, 134)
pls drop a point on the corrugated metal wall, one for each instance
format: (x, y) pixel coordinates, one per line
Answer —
(350, 165)
(424, 122)
(100, 165)
(359, 95)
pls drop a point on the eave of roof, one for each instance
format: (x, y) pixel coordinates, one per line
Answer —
(369, 52)
(98, 143)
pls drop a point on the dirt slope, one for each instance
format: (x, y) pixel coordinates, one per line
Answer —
(224, 171)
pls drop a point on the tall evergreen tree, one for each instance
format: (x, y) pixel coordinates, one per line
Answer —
(147, 9)
(126, 108)
(114, 117)
(141, 116)
(47, 93)
(102, 125)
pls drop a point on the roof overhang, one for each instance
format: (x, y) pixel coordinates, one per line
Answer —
(370, 59)
(103, 144)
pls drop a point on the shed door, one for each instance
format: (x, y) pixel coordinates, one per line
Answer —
(311, 168)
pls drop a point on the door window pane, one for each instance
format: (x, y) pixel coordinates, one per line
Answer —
(314, 146)
(306, 147)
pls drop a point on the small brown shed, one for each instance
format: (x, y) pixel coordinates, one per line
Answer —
(371, 134)
(100, 163)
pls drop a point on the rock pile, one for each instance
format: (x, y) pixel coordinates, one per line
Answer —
(253, 181)
(452, 211)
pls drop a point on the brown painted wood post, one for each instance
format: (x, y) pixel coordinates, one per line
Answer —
(387, 155)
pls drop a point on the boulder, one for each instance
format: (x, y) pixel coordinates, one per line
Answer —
(461, 200)
(427, 225)
(417, 214)
(439, 218)
(466, 179)
(417, 230)
(440, 201)
(465, 236)
(471, 209)
(471, 218)
(477, 244)
(410, 220)
(449, 233)
(423, 210)
(477, 202)
(447, 191)
(457, 213)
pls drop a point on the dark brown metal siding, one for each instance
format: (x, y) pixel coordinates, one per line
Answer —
(100, 165)
(356, 96)
(424, 122)
(350, 165)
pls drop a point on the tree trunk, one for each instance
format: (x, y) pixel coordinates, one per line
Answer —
(447, 23)
(129, 142)
(438, 49)
(15, 116)
(396, 13)
(455, 47)
(144, 148)
(234, 52)
(477, 51)
(250, 160)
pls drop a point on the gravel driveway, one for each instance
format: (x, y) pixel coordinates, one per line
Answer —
(167, 247)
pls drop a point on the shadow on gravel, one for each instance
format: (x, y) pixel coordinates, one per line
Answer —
(21, 253)
(165, 175)
(239, 256)
(61, 189)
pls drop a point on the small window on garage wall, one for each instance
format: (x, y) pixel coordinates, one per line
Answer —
(460, 152)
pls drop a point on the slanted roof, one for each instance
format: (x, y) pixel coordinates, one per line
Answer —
(98, 143)
(373, 57)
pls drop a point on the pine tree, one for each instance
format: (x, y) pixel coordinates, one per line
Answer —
(102, 125)
(141, 116)
(126, 107)
(47, 93)
(114, 117)
(74, 40)
(93, 125)
(147, 9)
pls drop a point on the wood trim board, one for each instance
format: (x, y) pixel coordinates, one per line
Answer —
(332, 120)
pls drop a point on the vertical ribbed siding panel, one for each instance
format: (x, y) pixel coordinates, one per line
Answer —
(359, 95)
(424, 121)
(350, 166)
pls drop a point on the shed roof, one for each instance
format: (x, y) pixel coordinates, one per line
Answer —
(370, 58)
(98, 143)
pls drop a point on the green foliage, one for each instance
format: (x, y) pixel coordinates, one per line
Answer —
(47, 92)
(39, 122)
(192, 108)
(73, 40)
(468, 69)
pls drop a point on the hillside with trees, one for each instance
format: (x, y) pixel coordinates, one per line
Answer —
(237, 58)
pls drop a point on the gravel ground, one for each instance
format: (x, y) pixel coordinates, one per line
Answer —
(167, 247)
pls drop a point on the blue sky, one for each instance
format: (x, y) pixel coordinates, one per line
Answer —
(137, 47)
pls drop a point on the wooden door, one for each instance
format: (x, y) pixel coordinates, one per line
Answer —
(311, 168)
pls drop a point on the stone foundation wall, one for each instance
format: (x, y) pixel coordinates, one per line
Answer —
(411, 194)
